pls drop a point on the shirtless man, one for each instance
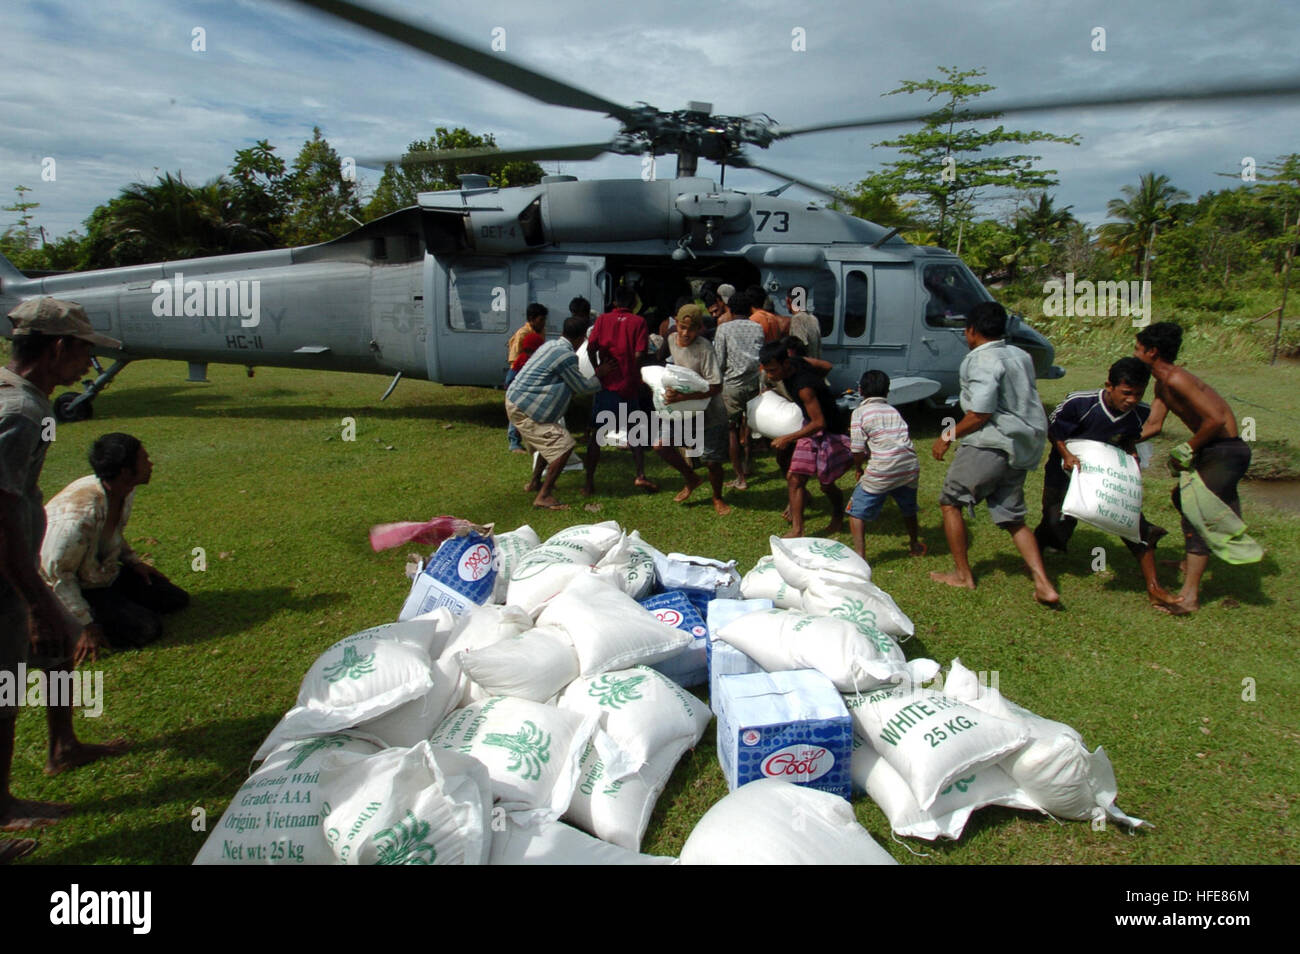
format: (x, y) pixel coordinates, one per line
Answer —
(1215, 450)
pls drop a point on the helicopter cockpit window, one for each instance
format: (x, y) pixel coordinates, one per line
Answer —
(476, 298)
(856, 304)
(952, 291)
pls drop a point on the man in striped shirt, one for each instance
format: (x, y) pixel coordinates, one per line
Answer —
(535, 404)
(878, 432)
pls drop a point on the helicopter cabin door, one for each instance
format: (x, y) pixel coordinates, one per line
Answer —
(879, 315)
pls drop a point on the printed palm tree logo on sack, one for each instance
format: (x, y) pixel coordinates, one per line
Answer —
(309, 747)
(856, 612)
(831, 551)
(352, 665)
(529, 748)
(404, 843)
(615, 693)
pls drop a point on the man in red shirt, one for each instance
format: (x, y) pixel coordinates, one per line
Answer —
(775, 327)
(617, 343)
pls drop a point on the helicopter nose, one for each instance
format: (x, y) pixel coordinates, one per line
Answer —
(1036, 345)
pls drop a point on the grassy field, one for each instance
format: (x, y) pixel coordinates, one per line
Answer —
(256, 473)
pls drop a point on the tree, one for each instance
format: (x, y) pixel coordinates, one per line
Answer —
(260, 189)
(168, 220)
(1140, 212)
(20, 237)
(321, 203)
(946, 166)
(403, 181)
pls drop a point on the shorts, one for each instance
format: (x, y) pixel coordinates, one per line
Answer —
(624, 409)
(550, 440)
(978, 474)
(864, 505)
(735, 401)
(824, 456)
(1221, 464)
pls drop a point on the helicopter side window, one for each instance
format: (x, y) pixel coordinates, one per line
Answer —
(952, 291)
(856, 303)
(477, 298)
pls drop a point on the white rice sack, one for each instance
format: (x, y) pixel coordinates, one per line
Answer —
(642, 711)
(608, 628)
(765, 582)
(542, 573)
(930, 739)
(1106, 489)
(1055, 769)
(592, 540)
(861, 602)
(618, 810)
(787, 639)
(531, 752)
(965, 685)
(360, 679)
(947, 817)
(478, 628)
(556, 843)
(532, 665)
(430, 632)
(771, 822)
(680, 379)
(629, 565)
(803, 560)
(511, 548)
(415, 806)
(274, 818)
(771, 415)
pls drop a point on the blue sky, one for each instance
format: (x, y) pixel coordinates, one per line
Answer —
(114, 92)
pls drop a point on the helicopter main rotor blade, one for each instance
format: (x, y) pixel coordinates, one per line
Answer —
(1284, 87)
(589, 150)
(496, 68)
(810, 186)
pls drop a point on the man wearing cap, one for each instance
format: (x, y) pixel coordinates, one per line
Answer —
(52, 343)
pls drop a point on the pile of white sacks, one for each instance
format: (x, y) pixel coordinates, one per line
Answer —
(533, 729)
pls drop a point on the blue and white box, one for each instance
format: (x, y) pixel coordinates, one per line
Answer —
(459, 575)
(724, 659)
(787, 725)
(690, 667)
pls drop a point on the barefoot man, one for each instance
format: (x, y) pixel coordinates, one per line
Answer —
(694, 353)
(1216, 452)
(535, 404)
(1115, 415)
(1002, 434)
(51, 346)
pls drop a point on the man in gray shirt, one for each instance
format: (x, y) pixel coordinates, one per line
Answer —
(1003, 434)
(736, 344)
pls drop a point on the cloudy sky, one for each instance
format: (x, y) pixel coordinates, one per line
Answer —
(114, 92)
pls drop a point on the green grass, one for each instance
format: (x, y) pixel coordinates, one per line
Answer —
(256, 473)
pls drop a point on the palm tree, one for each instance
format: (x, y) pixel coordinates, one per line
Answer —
(1147, 207)
(172, 219)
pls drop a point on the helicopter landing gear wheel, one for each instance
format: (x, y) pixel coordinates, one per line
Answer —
(65, 413)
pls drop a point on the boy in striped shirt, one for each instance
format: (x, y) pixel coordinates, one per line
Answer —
(877, 431)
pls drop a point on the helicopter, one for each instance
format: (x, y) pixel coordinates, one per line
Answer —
(432, 292)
